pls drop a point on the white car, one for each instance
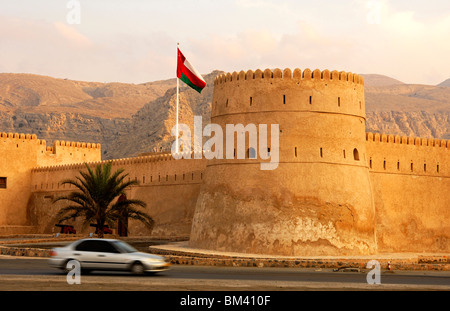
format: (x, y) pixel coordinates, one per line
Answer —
(106, 254)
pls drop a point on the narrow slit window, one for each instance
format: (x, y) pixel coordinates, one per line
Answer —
(310, 100)
(356, 154)
(339, 102)
(2, 182)
(344, 153)
(295, 151)
(226, 104)
(425, 167)
(384, 164)
(284, 99)
(437, 168)
(251, 101)
(412, 167)
(251, 153)
(321, 152)
(398, 165)
(370, 163)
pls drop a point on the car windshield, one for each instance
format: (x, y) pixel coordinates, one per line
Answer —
(124, 247)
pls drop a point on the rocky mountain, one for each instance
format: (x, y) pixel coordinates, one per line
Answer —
(408, 109)
(132, 119)
(446, 83)
(375, 80)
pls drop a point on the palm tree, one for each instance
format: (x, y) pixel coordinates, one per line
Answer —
(95, 200)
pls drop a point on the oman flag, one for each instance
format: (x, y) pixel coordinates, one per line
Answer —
(187, 73)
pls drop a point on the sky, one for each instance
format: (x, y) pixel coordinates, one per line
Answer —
(135, 41)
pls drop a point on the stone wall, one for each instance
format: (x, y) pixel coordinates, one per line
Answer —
(169, 187)
(411, 180)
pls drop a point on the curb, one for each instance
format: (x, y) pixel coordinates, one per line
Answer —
(419, 263)
(24, 252)
(179, 257)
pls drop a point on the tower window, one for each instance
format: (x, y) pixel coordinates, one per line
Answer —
(251, 101)
(310, 100)
(2, 182)
(339, 102)
(251, 153)
(284, 99)
(295, 151)
(356, 154)
(321, 152)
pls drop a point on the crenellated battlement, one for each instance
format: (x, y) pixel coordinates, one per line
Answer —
(297, 74)
(57, 143)
(18, 136)
(76, 144)
(289, 91)
(151, 158)
(407, 140)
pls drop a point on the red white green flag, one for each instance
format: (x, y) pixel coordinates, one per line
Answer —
(187, 73)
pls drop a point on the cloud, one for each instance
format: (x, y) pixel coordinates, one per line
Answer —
(72, 35)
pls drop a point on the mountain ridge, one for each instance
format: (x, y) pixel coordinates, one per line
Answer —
(132, 119)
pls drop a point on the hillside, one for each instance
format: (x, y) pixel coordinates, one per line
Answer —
(130, 119)
(41, 94)
(446, 83)
(375, 80)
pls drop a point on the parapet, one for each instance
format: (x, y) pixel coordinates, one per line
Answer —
(297, 74)
(18, 136)
(157, 157)
(407, 140)
(76, 144)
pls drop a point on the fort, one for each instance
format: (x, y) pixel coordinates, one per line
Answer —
(337, 190)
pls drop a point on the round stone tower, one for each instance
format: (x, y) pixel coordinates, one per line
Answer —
(318, 200)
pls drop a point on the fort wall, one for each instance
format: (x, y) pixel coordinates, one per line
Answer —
(20, 153)
(303, 207)
(411, 178)
(169, 187)
(337, 190)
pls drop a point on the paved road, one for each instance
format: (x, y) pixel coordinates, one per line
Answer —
(34, 274)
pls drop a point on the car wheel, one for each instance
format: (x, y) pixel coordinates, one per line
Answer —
(137, 268)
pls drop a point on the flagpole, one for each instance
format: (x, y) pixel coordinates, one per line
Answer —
(178, 100)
